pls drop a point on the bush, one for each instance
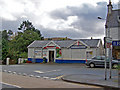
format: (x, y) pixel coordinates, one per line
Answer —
(24, 61)
(24, 55)
(44, 60)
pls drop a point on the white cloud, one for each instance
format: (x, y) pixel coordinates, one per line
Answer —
(38, 11)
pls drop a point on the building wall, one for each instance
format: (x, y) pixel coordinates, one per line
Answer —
(90, 52)
(66, 53)
(79, 54)
(95, 51)
(114, 33)
(30, 52)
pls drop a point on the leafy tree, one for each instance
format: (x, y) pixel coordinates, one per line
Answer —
(27, 25)
(17, 47)
(4, 45)
(5, 35)
(10, 32)
(19, 43)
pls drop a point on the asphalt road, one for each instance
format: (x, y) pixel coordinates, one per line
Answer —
(55, 71)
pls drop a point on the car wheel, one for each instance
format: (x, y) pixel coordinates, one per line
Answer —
(115, 66)
(92, 65)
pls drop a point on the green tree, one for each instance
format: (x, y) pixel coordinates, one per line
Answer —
(5, 35)
(17, 47)
(19, 44)
(10, 32)
(27, 25)
(4, 45)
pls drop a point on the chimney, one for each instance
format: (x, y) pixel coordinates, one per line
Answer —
(110, 7)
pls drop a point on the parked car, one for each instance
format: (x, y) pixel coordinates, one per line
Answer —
(100, 61)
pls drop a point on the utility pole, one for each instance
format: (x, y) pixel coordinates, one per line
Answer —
(108, 51)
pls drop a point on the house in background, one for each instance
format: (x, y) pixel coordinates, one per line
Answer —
(65, 51)
(113, 28)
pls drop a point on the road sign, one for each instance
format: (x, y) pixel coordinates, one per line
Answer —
(116, 43)
(108, 40)
(108, 45)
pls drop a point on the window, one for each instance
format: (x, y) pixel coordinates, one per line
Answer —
(97, 58)
(102, 57)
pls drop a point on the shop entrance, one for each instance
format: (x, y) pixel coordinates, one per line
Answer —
(51, 56)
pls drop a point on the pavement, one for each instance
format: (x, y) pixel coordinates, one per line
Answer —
(91, 79)
(32, 82)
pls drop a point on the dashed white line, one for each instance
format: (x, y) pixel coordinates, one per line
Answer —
(37, 71)
(37, 76)
(31, 75)
(14, 72)
(46, 77)
(9, 71)
(4, 70)
(24, 74)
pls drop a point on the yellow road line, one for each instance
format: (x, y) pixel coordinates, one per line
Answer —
(59, 77)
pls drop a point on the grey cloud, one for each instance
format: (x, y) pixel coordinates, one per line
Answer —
(87, 21)
(87, 18)
(71, 33)
(87, 11)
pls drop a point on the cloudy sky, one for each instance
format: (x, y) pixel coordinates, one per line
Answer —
(57, 18)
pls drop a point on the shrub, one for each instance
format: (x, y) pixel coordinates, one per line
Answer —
(44, 60)
(24, 61)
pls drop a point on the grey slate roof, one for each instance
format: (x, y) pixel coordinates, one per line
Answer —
(112, 19)
(91, 42)
(65, 43)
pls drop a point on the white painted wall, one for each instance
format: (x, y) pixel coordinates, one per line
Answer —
(78, 54)
(30, 52)
(66, 53)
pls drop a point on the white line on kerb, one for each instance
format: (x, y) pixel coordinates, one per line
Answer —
(11, 84)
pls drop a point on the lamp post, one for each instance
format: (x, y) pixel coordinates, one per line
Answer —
(108, 54)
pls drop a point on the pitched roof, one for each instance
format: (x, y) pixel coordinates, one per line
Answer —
(112, 19)
(65, 43)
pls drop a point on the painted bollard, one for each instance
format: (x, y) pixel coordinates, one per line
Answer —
(7, 61)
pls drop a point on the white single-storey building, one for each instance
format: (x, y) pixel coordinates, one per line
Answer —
(65, 51)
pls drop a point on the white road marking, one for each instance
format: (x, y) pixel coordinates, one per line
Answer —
(37, 76)
(19, 73)
(31, 75)
(4, 70)
(47, 71)
(46, 77)
(9, 71)
(53, 70)
(14, 72)
(11, 84)
(39, 72)
(53, 78)
(24, 74)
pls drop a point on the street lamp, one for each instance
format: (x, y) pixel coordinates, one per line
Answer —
(107, 44)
